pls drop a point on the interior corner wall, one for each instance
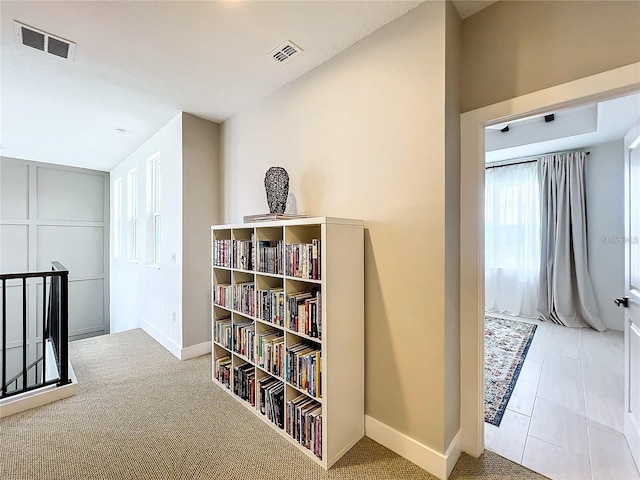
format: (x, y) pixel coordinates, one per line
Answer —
(200, 210)
(143, 295)
(452, 223)
(605, 228)
(363, 136)
(514, 48)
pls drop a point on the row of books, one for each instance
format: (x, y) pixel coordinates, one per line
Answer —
(222, 251)
(244, 339)
(243, 254)
(233, 253)
(271, 306)
(222, 370)
(244, 379)
(302, 260)
(271, 400)
(304, 423)
(302, 368)
(222, 295)
(270, 354)
(304, 310)
(244, 298)
(268, 256)
(222, 331)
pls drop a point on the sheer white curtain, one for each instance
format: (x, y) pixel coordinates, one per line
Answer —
(512, 239)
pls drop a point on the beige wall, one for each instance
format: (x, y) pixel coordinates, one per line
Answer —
(363, 136)
(452, 254)
(200, 210)
(513, 48)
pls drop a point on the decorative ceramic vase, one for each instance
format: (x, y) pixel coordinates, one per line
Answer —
(276, 184)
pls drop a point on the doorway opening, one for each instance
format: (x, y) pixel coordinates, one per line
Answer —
(554, 395)
(611, 84)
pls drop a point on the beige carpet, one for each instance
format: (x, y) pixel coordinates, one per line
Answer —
(142, 414)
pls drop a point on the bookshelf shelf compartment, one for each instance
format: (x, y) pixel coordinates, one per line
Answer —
(275, 308)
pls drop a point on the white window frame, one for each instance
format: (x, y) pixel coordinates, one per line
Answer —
(132, 215)
(155, 212)
(117, 218)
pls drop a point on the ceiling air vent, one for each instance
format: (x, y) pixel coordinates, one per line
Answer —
(285, 52)
(34, 38)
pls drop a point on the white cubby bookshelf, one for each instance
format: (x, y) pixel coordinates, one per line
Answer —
(247, 323)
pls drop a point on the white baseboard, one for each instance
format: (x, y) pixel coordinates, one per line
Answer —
(176, 350)
(453, 452)
(37, 398)
(195, 350)
(430, 460)
(162, 339)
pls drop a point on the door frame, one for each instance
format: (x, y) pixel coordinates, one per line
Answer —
(613, 83)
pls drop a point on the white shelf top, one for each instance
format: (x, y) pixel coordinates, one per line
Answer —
(295, 221)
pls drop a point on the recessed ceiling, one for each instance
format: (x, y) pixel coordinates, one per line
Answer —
(573, 128)
(138, 63)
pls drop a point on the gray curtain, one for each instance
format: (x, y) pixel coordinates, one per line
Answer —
(565, 293)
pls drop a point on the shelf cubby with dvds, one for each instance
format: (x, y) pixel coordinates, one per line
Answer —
(288, 328)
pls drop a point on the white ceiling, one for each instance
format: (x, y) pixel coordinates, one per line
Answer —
(612, 119)
(138, 63)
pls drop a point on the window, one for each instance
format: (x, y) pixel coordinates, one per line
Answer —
(512, 239)
(512, 217)
(117, 218)
(156, 218)
(132, 214)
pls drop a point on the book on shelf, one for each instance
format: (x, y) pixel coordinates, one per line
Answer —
(271, 400)
(271, 306)
(243, 254)
(244, 338)
(222, 253)
(222, 295)
(244, 298)
(268, 256)
(302, 260)
(269, 217)
(244, 377)
(222, 331)
(305, 312)
(270, 354)
(303, 368)
(222, 369)
(304, 423)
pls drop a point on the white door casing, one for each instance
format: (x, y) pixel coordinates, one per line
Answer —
(602, 86)
(632, 292)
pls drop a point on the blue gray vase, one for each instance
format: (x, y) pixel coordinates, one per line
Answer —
(276, 184)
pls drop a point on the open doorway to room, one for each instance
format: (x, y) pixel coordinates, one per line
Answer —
(554, 389)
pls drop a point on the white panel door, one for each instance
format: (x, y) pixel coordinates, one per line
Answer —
(632, 287)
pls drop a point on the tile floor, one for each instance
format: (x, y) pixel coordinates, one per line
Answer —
(564, 419)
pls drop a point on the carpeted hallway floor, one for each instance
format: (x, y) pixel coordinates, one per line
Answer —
(142, 414)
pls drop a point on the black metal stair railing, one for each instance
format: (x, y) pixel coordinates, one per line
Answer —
(55, 331)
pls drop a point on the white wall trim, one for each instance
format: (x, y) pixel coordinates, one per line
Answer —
(610, 84)
(453, 452)
(41, 396)
(162, 339)
(425, 457)
(196, 350)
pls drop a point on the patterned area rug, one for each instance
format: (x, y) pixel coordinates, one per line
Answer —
(506, 343)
